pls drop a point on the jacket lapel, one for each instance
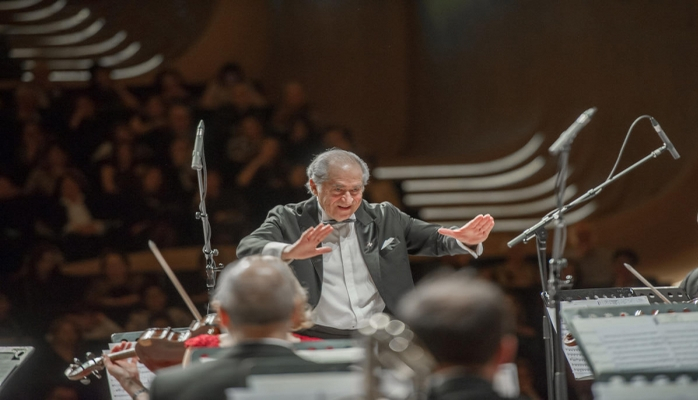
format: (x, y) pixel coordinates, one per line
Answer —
(307, 219)
(368, 242)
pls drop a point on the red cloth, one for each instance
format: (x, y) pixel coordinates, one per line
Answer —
(203, 341)
(215, 341)
(307, 338)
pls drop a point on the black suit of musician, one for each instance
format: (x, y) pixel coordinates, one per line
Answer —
(352, 255)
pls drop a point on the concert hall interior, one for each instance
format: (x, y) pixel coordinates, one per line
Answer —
(453, 104)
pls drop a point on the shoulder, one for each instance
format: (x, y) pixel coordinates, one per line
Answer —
(292, 209)
(385, 212)
(378, 209)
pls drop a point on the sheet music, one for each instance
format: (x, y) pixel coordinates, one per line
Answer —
(117, 392)
(645, 390)
(10, 359)
(303, 386)
(7, 365)
(578, 363)
(646, 343)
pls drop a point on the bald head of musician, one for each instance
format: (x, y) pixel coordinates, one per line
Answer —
(466, 325)
(257, 297)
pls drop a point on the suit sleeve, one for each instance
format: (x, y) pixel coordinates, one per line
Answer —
(424, 239)
(270, 238)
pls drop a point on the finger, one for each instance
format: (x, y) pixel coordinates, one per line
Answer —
(324, 232)
(320, 233)
(447, 232)
(476, 223)
(306, 234)
(488, 227)
(323, 250)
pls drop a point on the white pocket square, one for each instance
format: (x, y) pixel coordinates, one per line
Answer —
(387, 243)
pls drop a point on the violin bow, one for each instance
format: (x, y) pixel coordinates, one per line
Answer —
(646, 282)
(175, 281)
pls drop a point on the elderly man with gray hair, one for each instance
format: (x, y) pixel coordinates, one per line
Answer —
(352, 255)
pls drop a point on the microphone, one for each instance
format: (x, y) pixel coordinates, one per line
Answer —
(198, 148)
(665, 139)
(568, 136)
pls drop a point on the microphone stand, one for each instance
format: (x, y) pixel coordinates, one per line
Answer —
(209, 253)
(555, 360)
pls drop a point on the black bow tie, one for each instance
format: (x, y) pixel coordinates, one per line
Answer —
(335, 222)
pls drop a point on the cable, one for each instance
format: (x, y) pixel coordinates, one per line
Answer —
(627, 136)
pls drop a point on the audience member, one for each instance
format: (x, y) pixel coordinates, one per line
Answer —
(84, 133)
(169, 84)
(37, 288)
(467, 328)
(11, 332)
(81, 233)
(154, 304)
(623, 277)
(117, 290)
(294, 105)
(151, 117)
(32, 145)
(110, 96)
(593, 262)
(52, 167)
(219, 91)
(227, 209)
(155, 215)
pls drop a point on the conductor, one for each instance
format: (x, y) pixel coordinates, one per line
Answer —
(352, 255)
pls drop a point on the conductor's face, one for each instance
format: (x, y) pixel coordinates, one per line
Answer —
(340, 196)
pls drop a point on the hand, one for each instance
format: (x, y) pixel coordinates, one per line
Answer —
(125, 371)
(306, 246)
(472, 233)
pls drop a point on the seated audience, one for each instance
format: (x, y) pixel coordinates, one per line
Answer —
(468, 329)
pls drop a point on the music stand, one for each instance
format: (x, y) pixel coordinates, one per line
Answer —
(11, 357)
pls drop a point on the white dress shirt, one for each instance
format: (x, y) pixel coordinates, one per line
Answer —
(349, 296)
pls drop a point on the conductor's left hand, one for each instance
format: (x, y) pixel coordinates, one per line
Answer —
(472, 233)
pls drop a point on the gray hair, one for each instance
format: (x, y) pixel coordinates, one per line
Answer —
(318, 170)
(257, 290)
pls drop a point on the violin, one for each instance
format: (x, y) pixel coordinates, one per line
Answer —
(156, 348)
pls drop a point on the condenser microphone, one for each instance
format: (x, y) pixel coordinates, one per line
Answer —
(196, 159)
(665, 139)
(568, 136)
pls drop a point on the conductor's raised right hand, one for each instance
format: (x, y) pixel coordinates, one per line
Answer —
(306, 246)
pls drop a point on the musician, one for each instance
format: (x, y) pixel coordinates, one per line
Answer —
(466, 325)
(258, 304)
(352, 255)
